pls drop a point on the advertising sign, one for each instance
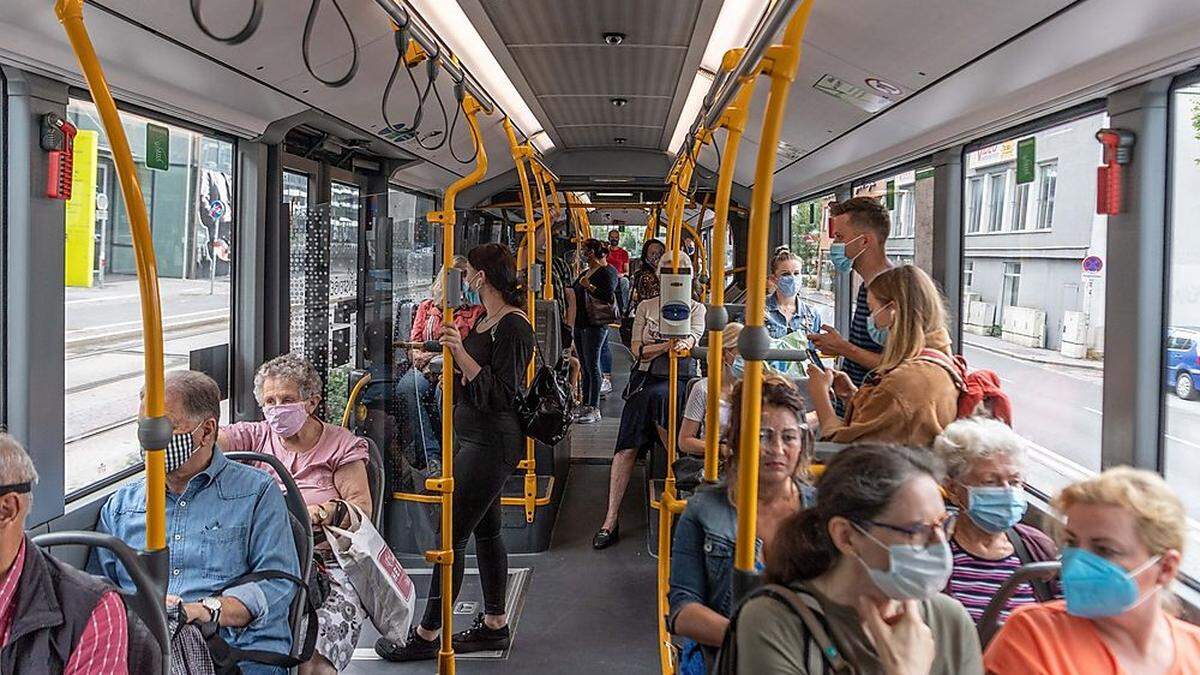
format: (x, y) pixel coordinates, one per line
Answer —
(81, 212)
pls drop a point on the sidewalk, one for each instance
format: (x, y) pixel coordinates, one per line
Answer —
(998, 346)
(113, 313)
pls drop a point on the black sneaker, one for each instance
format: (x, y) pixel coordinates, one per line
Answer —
(480, 638)
(417, 648)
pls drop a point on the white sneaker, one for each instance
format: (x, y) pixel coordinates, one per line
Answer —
(592, 416)
(605, 386)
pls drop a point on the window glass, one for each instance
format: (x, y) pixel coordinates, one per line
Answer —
(1181, 362)
(295, 198)
(345, 208)
(190, 200)
(1033, 299)
(809, 240)
(908, 197)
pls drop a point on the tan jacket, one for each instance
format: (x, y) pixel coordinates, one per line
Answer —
(908, 405)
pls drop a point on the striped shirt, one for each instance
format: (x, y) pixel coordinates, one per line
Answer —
(975, 581)
(859, 337)
(102, 648)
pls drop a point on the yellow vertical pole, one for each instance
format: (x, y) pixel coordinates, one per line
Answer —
(154, 432)
(734, 121)
(444, 485)
(780, 63)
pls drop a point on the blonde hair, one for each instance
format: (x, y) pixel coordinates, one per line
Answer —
(435, 289)
(1158, 513)
(729, 335)
(919, 309)
(782, 254)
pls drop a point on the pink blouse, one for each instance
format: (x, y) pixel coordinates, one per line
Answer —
(313, 470)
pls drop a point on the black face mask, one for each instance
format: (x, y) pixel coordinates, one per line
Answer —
(19, 488)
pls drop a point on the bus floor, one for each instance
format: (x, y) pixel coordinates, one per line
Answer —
(584, 611)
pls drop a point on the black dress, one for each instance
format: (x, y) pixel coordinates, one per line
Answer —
(488, 443)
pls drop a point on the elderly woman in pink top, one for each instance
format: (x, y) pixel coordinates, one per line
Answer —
(328, 464)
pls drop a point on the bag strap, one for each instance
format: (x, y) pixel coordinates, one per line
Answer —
(224, 655)
(816, 628)
(954, 368)
(1041, 589)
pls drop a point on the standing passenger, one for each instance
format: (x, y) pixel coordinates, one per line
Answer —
(490, 364)
(786, 311)
(598, 283)
(1125, 531)
(860, 231)
(869, 561)
(617, 257)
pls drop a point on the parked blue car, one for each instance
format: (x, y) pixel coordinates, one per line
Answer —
(1183, 361)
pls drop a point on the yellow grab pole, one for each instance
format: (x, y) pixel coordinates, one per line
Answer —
(444, 485)
(780, 63)
(352, 400)
(734, 121)
(154, 431)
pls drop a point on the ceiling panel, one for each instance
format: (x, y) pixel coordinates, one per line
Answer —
(601, 70)
(644, 22)
(595, 136)
(642, 110)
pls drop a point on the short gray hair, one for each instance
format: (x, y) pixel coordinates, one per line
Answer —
(969, 440)
(15, 464)
(293, 368)
(198, 395)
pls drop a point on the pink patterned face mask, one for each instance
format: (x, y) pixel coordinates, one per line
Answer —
(286, 419)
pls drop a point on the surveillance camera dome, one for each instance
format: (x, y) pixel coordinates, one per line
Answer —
(614, 38)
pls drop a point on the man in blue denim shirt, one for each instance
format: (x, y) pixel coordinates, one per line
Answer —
(224, 520)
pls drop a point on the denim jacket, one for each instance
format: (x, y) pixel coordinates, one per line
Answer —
(702, 552)
(230, 520)
(806, 319)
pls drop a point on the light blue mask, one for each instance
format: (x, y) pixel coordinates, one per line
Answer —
(912, 573)
(879, 335)
(471, 297)
(738, 367)
(1095, 587)
(837, 255)
(786, 285)
(996, 509)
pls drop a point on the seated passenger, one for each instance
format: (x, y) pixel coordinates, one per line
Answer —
(908, 398)
(418, 390)
(701, 594)
(644, 416)
(53, 617)
(328, 464)
(224, 520)
(868, 560)
(1124, 537)
(691, 431)
(985, 461)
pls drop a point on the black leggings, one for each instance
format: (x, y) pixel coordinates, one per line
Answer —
(486, 451)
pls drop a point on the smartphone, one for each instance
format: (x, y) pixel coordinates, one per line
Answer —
(815, 358)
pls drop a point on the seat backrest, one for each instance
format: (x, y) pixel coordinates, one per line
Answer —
(989, 623)
(301, 532)
(146, 601)
(376, 476)
(687, 390)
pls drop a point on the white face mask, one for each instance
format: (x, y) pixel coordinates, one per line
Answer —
(912, 573)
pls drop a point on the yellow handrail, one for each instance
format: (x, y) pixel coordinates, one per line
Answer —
(734, 122)
(779, 63)
(154, 431)
(444, 486)
(352, 400)
(529, 245)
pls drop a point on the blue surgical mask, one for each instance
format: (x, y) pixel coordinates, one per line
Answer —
(996, 509)
(879, 335)
(471, 297)
(738, 367)
(837, 255)
(786, 285)
(1095, 587)
(912, 573)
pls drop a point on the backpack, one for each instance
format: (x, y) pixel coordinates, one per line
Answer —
(831, 659)
(978, 391)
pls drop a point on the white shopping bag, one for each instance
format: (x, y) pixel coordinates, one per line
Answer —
(383, 587)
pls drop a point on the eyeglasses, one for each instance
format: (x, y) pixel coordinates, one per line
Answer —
(921, 534)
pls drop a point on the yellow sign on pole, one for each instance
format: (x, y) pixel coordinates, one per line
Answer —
(81, 211)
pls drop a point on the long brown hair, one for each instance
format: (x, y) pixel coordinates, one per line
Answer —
(857, 485)
(919, 309)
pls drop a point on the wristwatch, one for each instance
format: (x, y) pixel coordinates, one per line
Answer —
(213, 605)
(322, 513)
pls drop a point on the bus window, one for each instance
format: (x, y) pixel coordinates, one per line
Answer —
(809, 240)
(190, 192)
(1034, 289)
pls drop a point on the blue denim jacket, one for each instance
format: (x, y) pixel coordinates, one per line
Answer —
(231, 519)
(805, 319)
(702, 552)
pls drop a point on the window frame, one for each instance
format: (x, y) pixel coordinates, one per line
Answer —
(996, 177)
(1045, 216)
(1020, 210)
(973, 210)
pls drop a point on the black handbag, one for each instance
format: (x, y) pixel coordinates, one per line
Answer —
(545, 410)
(599, 313)
(687, 368)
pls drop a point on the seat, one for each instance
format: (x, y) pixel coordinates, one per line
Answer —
(302, 534)
(989, 623)
(376, 479)
(146, 602)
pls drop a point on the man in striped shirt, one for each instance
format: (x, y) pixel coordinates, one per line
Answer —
(860, 231)
(53, 618)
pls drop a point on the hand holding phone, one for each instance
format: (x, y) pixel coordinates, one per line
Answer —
(815, 358)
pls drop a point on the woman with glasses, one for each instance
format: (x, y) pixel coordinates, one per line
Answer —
(985, 462)
(701, 594)
(867, 563)
(913, 393)
(1124, 537)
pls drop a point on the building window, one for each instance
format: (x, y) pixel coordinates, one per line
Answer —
(190, 201)
(910, 213)
(1047, 184)
(968, 274)
(1012, 284)
(974, 203)
(1020, 207)
(997, 191)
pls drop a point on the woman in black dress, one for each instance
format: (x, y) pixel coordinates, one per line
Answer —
(490, 365)
(599, 283)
